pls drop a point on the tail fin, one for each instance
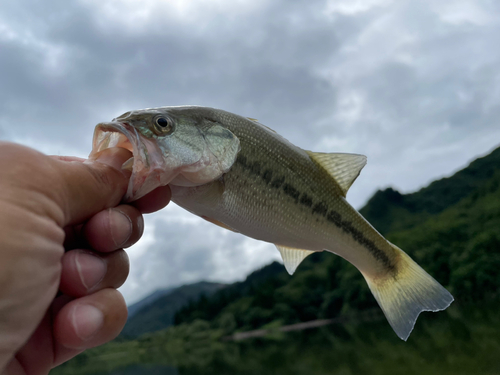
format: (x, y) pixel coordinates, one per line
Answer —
(405, 294)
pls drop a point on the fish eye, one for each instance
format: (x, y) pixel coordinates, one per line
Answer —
(162, 122)
(163, 125)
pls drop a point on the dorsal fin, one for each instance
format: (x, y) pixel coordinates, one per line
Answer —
(292, 257)
(264, 126)
(344, 168)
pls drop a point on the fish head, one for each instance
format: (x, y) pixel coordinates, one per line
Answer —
(170, 145)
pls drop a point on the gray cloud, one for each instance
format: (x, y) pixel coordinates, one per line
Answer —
(413, 85)
(184, 249)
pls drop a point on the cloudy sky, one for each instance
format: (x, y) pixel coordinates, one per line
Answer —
(414, 85)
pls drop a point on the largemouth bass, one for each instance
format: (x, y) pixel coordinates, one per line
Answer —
(243, 176)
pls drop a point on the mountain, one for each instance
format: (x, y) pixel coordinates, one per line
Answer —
(156, 311)
(451, 228)
(389, 211)
(148, 300)
(269, 277)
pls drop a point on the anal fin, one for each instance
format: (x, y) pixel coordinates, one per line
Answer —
(219, 223)
(292, 257)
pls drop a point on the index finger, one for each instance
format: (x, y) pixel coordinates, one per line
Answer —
(154, 200)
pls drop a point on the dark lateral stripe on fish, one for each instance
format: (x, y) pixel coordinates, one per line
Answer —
(277, 182)
(306, 200)
(320, 208)
(256, 168)
(267, 175)
(291, 191)
(358, 236)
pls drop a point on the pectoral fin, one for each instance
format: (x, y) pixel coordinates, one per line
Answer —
(292, 257)
(344, 168)
(209, 195)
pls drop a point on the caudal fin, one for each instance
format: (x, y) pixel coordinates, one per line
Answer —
(405, 294)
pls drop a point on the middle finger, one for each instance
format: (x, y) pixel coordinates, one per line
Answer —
(85, 272)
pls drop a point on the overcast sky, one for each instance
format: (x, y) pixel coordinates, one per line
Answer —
(414, 85)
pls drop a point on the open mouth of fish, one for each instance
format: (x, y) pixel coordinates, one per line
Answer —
(147, 164)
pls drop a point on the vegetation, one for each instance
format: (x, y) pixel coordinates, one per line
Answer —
(459, 341)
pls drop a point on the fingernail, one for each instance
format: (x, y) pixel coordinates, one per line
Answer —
(87, 321)
(121, 227)
(140, 225)
(91, 269)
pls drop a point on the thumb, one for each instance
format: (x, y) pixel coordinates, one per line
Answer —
(92, 186)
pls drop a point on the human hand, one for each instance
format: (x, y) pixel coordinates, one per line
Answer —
(62, 227)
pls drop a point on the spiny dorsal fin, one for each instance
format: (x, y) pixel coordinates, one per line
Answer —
(264, 126)
(344, 168)
(292, 257)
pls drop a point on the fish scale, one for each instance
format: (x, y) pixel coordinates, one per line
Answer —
(286, 221)
(243, 176)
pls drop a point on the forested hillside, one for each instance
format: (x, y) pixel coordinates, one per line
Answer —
(390, 211)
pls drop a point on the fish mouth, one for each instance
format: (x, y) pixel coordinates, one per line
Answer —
(147, 164)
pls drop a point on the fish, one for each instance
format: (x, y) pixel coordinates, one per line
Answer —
(243, 176)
